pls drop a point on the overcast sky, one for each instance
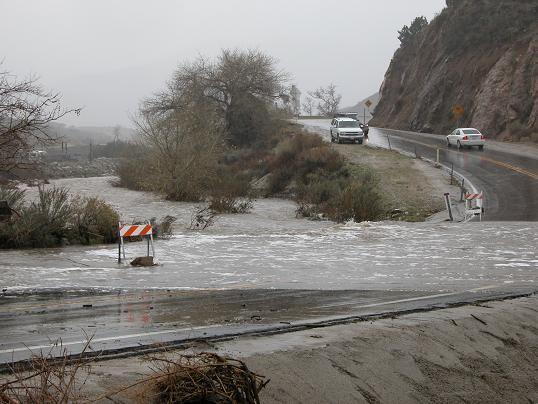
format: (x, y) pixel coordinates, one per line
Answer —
(106, 55)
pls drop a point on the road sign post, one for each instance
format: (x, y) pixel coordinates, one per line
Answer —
(368, 104)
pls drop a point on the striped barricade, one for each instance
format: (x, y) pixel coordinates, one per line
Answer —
(131, 230)
(134, 230)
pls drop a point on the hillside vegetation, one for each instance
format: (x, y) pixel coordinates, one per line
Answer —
(477, 54)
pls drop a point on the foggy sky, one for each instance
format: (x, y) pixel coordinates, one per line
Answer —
(107, 55)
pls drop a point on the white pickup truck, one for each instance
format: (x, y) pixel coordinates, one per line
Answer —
(346, 130)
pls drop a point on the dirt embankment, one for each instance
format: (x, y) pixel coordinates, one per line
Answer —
(478, 353)
(412, 188)
(480, 55)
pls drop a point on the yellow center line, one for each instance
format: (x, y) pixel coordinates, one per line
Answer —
(489, 160)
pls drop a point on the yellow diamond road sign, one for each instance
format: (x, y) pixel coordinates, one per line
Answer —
(368, 103)
(457, 111)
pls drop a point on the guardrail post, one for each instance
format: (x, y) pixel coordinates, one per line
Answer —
(449, 206)
(462, 189)
(437, 156)
(388, 139)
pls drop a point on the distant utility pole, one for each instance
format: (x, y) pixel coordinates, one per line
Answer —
(91, 151)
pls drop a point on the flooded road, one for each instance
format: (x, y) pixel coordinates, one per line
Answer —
(262, 272)
(271, 249)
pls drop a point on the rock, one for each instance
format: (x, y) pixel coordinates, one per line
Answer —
(488, 69)
(142, 262)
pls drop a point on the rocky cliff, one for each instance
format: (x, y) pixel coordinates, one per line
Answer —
(479, 55)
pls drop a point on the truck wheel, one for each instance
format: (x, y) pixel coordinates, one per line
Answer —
(339, 140)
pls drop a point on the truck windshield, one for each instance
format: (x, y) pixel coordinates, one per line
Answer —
(348, 124)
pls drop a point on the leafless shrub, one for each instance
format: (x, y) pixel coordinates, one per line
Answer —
(202, 218)
(47, 379)
(230, 204)
(164, 228)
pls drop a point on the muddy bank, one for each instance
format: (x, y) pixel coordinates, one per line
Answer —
(477, 353)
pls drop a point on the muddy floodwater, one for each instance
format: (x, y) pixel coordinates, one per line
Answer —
(271, 248)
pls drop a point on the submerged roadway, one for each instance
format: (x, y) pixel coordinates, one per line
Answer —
(126, 321)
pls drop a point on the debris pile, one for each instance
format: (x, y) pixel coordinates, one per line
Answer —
(204, 378)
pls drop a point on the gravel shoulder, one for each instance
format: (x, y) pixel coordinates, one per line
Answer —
(477, 353)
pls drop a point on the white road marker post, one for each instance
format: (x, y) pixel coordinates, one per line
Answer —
(119, 243)
(478, 208)
(449, 206)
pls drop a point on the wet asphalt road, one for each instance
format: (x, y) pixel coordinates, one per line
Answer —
(123, 324)
(509, 181)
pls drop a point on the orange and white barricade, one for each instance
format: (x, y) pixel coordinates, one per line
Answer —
(134, 230)
(474, 204)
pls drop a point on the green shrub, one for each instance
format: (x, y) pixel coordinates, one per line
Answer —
(229, 192)
(55, 219)
(360, 201)
(298, 156)
(94, 221)
(342, 195)
(279, 179)
(14, 197)
(319, 158)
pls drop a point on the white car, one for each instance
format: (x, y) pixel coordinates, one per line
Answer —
(346, 130)
(466, 137)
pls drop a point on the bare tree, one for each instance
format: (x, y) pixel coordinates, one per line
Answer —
(183, 147)
(25, 111)
(328, 100)
(308, 106)
(239, 84)
(206, 106)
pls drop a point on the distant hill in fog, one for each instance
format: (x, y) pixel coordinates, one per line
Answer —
(360, 106)
(82, 135)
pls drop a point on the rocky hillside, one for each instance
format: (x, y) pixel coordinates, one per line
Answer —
(478, 54)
